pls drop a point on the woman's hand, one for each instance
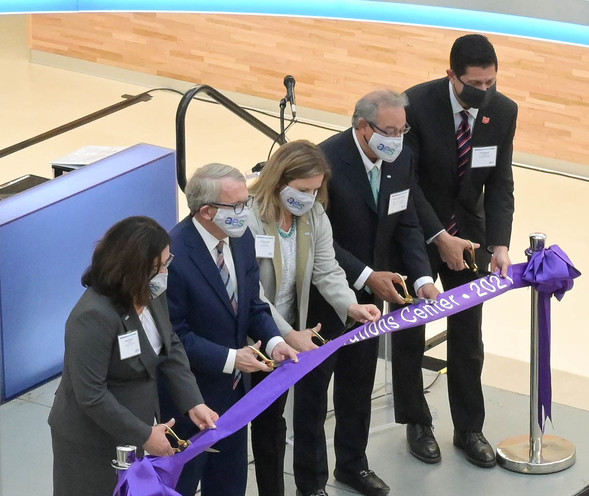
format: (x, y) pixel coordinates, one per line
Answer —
(158, 443)
(203, 417)
(301, 340)
(364, 313)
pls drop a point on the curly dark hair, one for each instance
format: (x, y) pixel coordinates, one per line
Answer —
(125, 260)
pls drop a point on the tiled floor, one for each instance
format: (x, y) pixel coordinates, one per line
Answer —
(35, 98)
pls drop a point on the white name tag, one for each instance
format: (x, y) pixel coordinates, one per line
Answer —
(484, 156)
(264, 246)
(398, 202)
(129, 345)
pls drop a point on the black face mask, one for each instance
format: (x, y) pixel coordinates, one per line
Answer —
(473, 97)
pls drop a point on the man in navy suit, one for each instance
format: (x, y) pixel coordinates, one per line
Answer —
(213, 295)
(376, 233)
(462, 132)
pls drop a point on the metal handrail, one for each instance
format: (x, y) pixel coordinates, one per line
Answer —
(129, 100)
(228, 104)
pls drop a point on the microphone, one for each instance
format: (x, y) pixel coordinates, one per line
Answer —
(289, 83)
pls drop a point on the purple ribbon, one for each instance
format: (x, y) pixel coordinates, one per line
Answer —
(157, 475)
(550, 272)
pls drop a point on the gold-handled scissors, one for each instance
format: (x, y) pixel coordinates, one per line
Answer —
(263, 358)
(316, 334)
(407, 297)
(183, 444)
(471, 264)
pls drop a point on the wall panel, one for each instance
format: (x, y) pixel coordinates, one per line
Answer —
(333, 61)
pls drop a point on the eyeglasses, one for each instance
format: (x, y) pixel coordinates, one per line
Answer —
(395, 132)
(237, 207)
(167, 263)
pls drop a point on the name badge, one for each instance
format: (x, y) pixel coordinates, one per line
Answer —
(484, 156)
(129, 345)
(264, 246)
(398, 201)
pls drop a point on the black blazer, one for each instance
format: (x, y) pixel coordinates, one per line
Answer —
(363, 232)
(483, 203)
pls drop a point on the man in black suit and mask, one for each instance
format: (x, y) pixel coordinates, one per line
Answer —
(462, 133)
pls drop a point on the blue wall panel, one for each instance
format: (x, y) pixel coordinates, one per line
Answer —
(47, 235)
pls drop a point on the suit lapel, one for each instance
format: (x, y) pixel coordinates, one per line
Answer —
(147, 356)
(240, 273)
(355, 171)
(303, 245)
(272, 230)
(204, 263)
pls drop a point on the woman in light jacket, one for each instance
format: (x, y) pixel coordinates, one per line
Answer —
(117, 338)
(294, 246)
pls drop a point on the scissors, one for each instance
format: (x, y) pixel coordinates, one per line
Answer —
(408, 298)
(316, 334)
(470, 262)
(183, 444)
(263, 358)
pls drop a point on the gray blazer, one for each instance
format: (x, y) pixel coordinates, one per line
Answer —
(316, 264)
(105, 401)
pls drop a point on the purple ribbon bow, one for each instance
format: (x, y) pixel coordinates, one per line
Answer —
(550, 272)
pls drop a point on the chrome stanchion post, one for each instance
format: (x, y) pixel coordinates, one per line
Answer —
(126, 455)
(535, 454)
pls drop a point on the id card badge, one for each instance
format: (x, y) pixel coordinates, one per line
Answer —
(264, 246)
(398, 202)
(129, 344)
(484, 156)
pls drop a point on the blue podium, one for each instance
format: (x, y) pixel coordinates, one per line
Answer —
(47, 236)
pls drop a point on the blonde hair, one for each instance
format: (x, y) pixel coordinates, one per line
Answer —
(299, 159)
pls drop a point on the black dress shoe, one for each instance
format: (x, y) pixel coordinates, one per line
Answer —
(318, 492)
(476, 448)
(365, 482)
(422, 443)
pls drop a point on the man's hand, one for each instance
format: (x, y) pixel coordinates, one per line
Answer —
(500, 259)
(203, 417)
(429, 291)
(381, 285)
(158, 443)
(283, 351)
(302, 340)
(246, 360)
(364, 313)
(451, 250)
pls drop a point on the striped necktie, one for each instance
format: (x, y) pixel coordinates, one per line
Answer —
(225, 277)
(463, 149)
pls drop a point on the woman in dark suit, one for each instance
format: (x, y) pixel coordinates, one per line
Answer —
(290, 194)
(117, 338)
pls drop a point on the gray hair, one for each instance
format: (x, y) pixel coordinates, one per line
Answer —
(367, 107)
(204, 186)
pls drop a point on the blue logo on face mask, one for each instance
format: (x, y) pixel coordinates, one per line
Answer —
(295, 203)
(230, 221)
(386, 149)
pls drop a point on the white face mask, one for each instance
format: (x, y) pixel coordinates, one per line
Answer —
(158, 284)
(386, 148)
(232, 224)
(297, 202)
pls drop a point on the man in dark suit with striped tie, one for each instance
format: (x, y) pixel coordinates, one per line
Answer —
(462, 133)
(213, 297)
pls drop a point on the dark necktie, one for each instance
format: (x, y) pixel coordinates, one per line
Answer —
(463, 149)
(225, 277)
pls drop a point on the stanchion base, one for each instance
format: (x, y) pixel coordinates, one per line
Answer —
(557, 454)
